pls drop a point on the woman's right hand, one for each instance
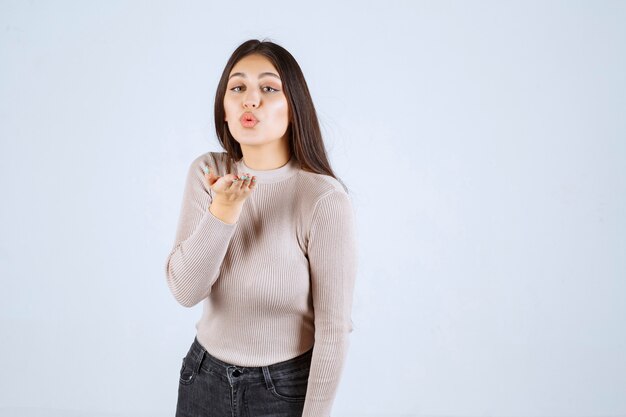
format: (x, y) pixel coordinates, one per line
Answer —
(230, 189)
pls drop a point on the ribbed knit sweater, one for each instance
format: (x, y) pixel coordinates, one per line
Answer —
(278, 281)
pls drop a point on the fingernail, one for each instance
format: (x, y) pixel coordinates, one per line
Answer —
(206, 169)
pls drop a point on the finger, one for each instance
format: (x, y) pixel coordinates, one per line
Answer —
(209, 174)
(218, 183)
(253, 183)
(247, 178)
(243, 182)
(236, 184)
(211, 179)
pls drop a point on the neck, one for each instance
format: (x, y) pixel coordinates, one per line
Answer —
(270, 170)
(264, 158)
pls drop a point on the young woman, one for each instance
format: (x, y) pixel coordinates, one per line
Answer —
(266, 240)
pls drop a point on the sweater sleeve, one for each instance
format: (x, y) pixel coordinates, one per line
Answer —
(201, 242)
(332, 264)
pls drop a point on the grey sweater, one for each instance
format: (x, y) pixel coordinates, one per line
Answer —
(278, 281)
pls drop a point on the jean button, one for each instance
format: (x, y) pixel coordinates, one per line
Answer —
(236, 372)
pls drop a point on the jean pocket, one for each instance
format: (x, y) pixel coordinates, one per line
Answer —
(291, 387)
(187, 373)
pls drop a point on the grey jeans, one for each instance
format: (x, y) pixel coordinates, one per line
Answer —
(209, 387)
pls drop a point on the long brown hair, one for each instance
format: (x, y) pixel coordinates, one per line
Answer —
(305, 138)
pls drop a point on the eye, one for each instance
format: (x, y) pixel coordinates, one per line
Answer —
(235, 89)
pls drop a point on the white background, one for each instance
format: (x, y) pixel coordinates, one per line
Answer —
(483, 143)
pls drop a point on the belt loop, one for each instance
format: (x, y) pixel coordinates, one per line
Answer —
(268, 377)
(199, 358)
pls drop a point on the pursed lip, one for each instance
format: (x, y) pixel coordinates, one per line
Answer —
(248, 116)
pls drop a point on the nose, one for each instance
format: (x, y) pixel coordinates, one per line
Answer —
(251, 100)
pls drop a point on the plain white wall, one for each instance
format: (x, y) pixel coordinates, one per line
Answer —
(484, 146)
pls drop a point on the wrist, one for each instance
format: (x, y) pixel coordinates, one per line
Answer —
(227, 204)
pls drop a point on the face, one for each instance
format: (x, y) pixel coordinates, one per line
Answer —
(254, 86)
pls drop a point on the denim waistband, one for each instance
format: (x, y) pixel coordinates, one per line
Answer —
(300, 362)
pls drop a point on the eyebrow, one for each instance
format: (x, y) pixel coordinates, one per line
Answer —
(261, 75)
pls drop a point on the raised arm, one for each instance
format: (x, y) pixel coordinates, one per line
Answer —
(200, 244)
(332, 253)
